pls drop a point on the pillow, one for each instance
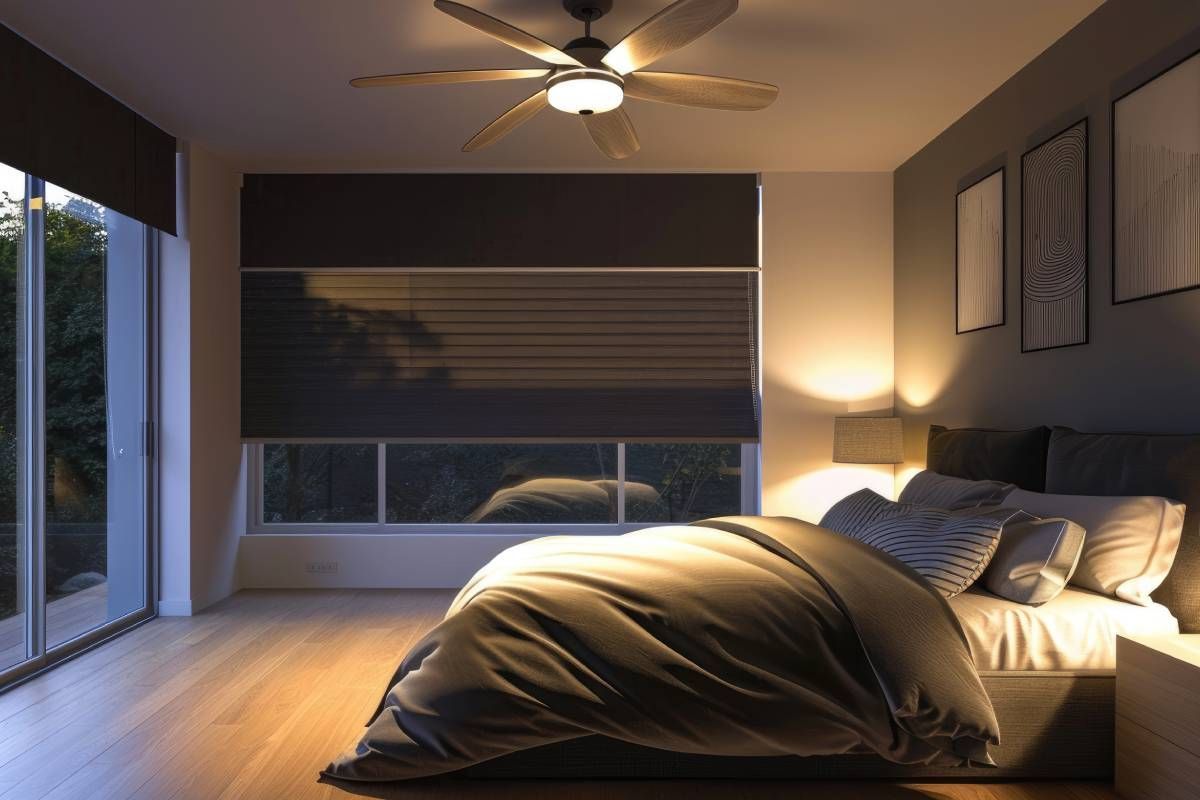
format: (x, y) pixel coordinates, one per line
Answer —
(950, 549)
(1035, 559)
(856, 511)
(980, 454)
(1130, 542)
(1161, 465)
(928, 488)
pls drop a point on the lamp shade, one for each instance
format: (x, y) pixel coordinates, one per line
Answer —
(868, 440)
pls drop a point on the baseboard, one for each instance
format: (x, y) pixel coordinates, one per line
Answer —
(174, 608)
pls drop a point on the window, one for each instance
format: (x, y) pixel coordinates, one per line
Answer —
(531, 484)
(319, 483)
(501, 487)
(682, 482)
(13, 555)
(74, 403)
(95, 404)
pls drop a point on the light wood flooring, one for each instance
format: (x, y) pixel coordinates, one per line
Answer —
(252, 697)
(66, 618)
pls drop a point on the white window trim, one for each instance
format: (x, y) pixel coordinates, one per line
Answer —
(750, 500)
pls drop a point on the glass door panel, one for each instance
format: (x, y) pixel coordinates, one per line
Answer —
(13, 540)
(95, 393)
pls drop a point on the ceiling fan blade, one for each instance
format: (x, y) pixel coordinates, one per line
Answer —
(613, 133)
(449, 76)
(670, 29)
(519, 114)
(701, 91)
(513, 37)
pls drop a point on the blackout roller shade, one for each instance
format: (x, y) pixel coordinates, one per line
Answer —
(545, 221)
(631, 355)
(60, 127)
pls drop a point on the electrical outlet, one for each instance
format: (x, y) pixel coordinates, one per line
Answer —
(321, 567)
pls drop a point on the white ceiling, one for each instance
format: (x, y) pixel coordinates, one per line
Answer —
(865, 83)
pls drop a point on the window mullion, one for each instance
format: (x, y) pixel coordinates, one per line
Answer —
(260, 507)
(381, 484)
(621, 483)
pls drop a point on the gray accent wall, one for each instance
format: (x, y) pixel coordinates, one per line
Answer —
(1141, 367)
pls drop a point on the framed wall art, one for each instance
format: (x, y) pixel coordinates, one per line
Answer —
(979, 255)
(1054, 241)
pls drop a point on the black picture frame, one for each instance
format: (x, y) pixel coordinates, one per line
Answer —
(1087, 234)
(1112, 164)
(1002, 171)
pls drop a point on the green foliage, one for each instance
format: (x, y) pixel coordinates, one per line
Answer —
(12, 231)
(319, 483)
(75, 252)
(694, 481)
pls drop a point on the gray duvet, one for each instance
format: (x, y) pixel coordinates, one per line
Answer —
(735, 636)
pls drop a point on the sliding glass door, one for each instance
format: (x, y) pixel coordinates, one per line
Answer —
(14, 551)
(74, 469)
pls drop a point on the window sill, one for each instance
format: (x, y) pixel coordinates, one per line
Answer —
(520, 530)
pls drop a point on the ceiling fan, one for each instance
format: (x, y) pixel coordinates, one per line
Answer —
(591, 79)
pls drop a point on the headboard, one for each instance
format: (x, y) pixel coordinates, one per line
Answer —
(1166, 465)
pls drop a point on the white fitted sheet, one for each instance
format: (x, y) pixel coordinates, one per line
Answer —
(1076, 630)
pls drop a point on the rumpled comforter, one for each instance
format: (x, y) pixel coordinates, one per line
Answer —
(734, 636)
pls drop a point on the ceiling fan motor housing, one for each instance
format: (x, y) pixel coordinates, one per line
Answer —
(592, 89)
(585, 90)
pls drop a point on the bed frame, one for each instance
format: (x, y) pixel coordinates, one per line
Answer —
(1052, 724)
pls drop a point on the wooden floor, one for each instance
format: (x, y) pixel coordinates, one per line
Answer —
(251, 698)
(66, 618)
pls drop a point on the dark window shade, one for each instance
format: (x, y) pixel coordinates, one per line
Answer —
(628, 355)
(499, 220)
(60, 127)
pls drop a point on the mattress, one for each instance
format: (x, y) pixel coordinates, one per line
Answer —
(1076, 630)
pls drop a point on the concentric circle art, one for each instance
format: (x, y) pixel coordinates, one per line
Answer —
(1054, 258)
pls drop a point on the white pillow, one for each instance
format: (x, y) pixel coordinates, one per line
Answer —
(1130, 542)
(1035, 559)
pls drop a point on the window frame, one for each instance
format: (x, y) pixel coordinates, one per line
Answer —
(255, 525)
(31, 406)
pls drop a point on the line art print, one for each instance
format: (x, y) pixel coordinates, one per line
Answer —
(979, 259)
(1156, 189)
(1054, 241)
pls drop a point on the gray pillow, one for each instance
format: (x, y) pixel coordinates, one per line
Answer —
(1035, 559)
(950, 549)
(1130, 544)
(929, 488)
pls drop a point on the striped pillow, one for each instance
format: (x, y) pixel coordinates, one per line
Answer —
(950, 549)
(928, 488)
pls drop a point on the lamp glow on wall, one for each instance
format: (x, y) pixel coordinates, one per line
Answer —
(868, 440)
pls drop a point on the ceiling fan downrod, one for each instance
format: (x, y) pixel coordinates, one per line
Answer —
(587, 12)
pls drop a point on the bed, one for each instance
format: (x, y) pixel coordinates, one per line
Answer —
(1075, 631)
(1047, 671)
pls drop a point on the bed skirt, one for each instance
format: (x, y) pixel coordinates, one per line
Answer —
(1052, 725)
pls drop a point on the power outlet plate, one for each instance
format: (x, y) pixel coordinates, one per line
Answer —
(321, 567)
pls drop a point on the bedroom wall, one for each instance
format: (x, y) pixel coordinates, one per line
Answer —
(202, 496)
(826, 331)
(218, 490)
(1140, 370)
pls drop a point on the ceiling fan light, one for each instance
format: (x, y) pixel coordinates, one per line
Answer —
(585, 92)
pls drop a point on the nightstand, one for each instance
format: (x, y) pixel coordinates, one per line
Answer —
(1158, 717)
